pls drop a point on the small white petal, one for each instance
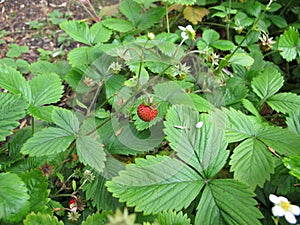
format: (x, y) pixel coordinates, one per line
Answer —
(283, 199)
(199, 124)
(278, 211)
(274, 199)
(182, 28)
(190, 28)
(184, 36)
(290, 218)
(295, 210)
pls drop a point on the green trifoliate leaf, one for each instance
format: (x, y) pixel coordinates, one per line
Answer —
(42, 112)
(66, 120)
(13, 81)
(46, 89)
(182, 2)
(252, 163)
(267, 83)
(47, 142)
(90, 152)
(149, 18)
(171, 217)
(227, 201)
(14, 199)
(12, 109)
(284, 102)
(197, 141)
(38, 219)
(155, 184)
(289, 45)
(37, 186)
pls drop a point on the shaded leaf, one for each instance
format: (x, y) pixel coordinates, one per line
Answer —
(150, 17)
(96, 218)
(37, 186)
(293, 122)
(131, 10)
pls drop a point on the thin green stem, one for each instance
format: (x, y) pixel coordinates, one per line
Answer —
(32, 126)
(228, 21)
(285, 7)
(167, 17)
(94, 98)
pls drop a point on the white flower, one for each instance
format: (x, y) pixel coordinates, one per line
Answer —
(151, 36)
(199, 124)
(187, 32)
(284, 208)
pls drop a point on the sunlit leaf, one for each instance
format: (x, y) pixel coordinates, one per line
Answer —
(155, 184)
(288, 44)
(38, 219)
(284, 102)
(14, 199)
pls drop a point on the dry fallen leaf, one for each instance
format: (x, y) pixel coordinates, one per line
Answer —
(195, 14)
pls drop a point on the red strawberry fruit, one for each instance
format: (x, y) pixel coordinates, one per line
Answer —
(146, 112)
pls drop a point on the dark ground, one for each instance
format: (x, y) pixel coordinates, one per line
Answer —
(16, 17)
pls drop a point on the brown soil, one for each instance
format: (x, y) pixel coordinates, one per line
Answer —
(17, 17)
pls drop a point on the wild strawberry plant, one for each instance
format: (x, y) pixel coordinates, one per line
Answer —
(164, 122)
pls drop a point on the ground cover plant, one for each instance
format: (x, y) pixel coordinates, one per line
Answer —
(162, 113)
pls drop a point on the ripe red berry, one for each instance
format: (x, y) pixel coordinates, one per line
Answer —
(73, 204)
(146, 112)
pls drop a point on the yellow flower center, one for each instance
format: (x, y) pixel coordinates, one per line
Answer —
(285, 205)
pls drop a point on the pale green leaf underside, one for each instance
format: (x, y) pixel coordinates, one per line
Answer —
(66, 120)
(13, 81)
(38, 219)
(47, 142)
(42, 112)
(14, 199)
(90, 152)
(268, 83)
(252, 163)
(155, 184)
(242, 59)
(46, 89)
(284, 102)
(12, 108)
(288, 44)
(227, 201)
(203, 148)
